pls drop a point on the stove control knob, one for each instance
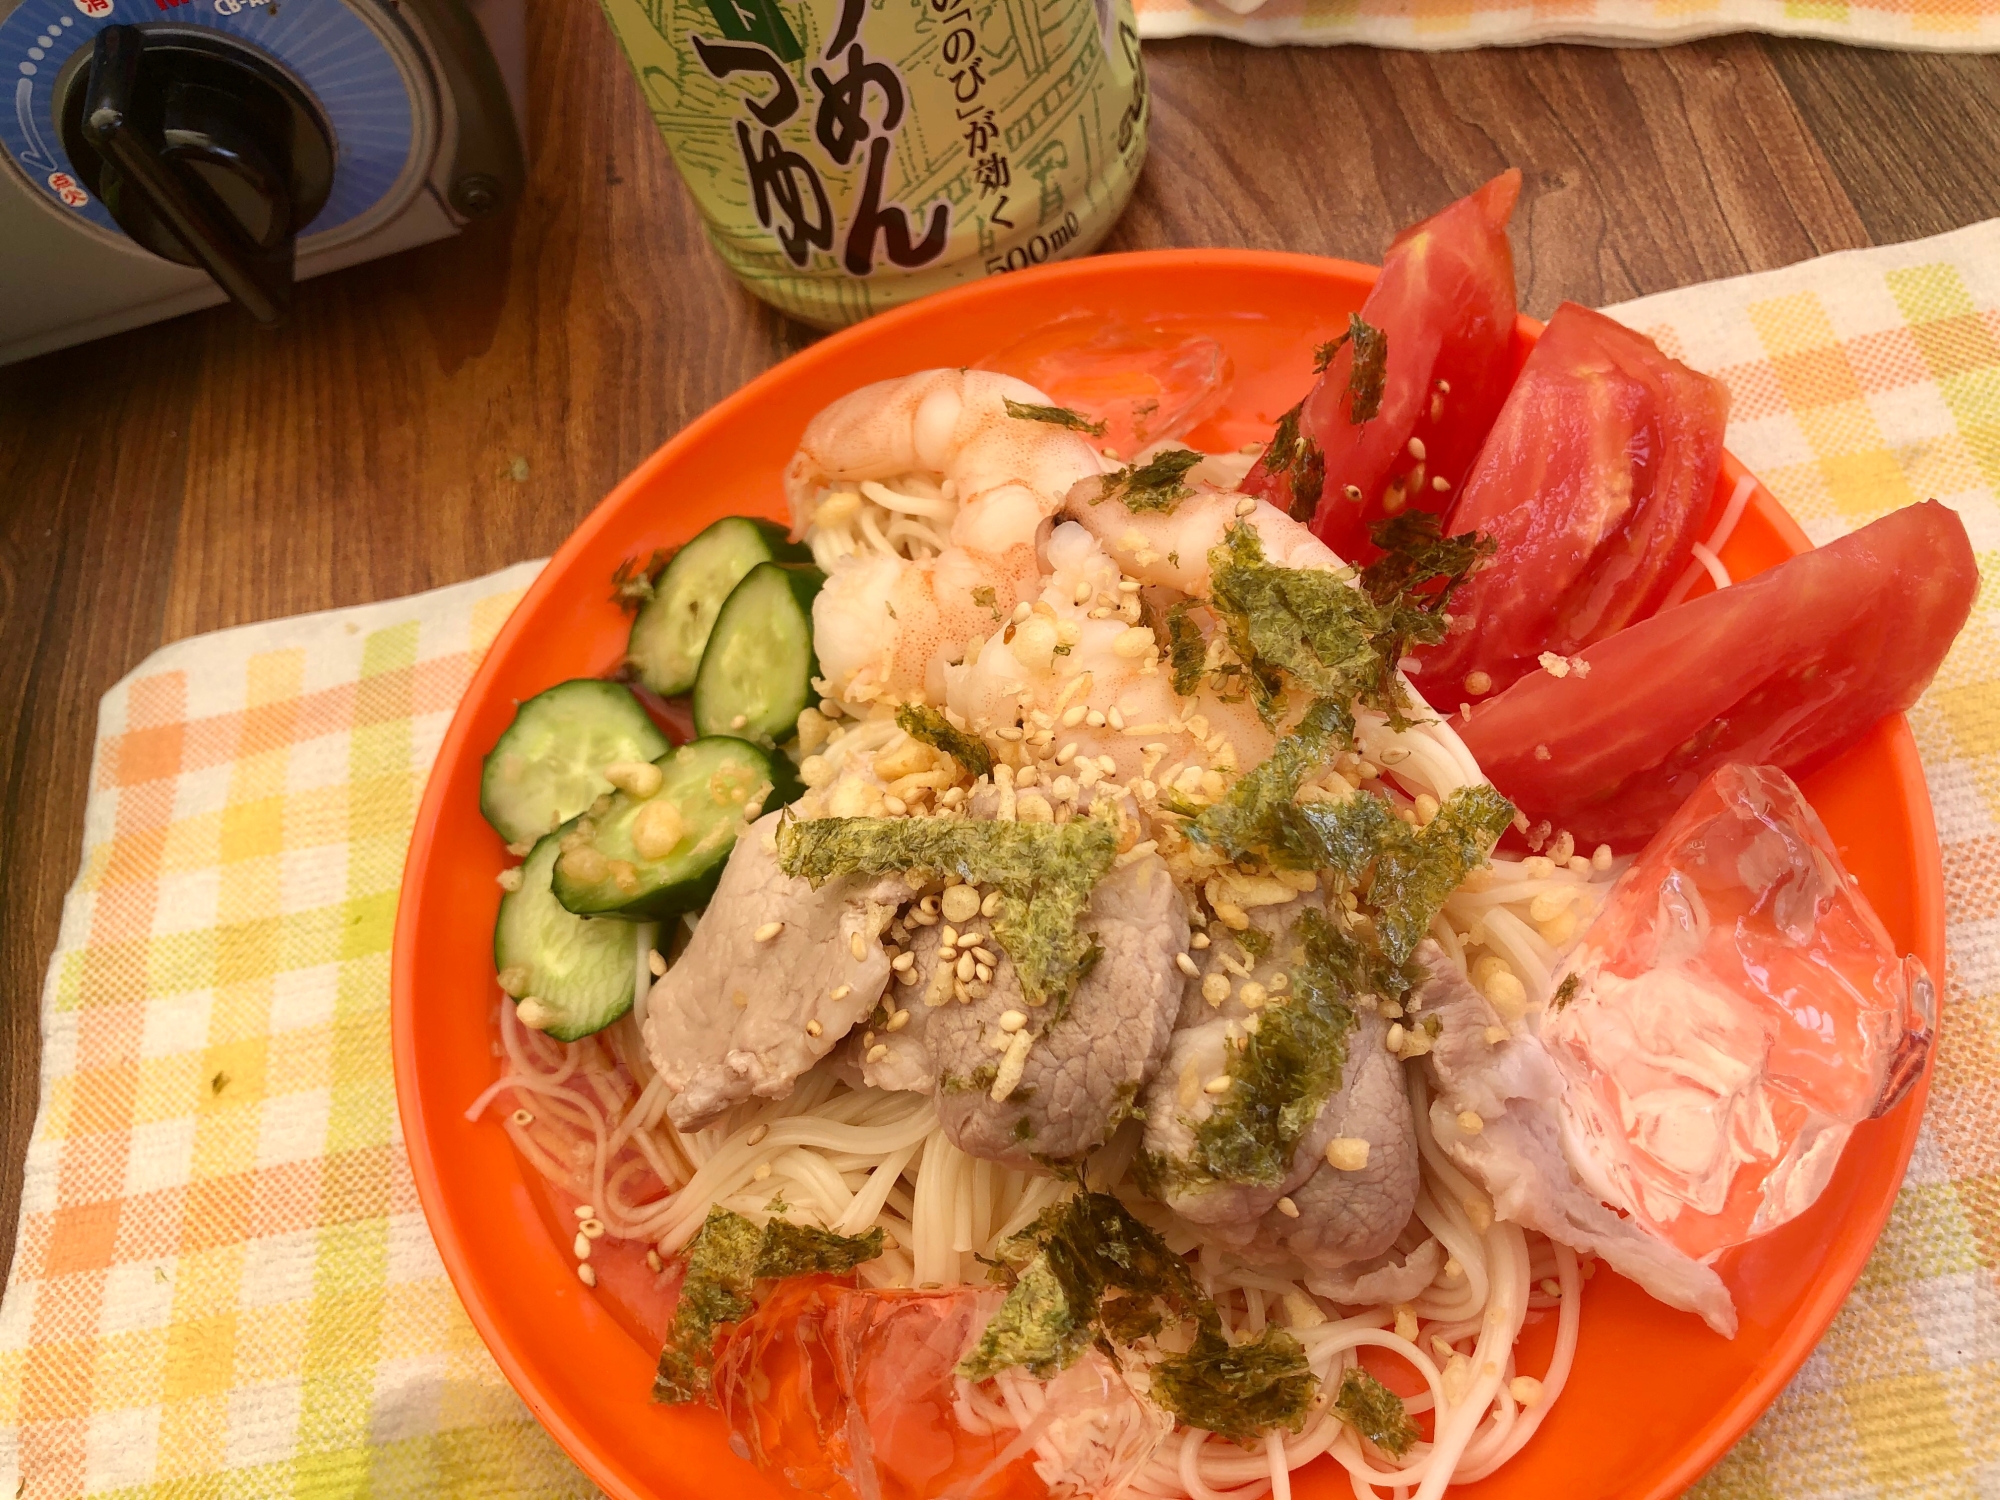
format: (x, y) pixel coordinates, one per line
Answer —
(206, 154)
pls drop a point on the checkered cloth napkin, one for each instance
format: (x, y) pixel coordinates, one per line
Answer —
(223, 1286)
(1442, 25)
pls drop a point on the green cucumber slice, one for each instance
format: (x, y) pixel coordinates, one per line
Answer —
(662, 854)
(756, 675)
(549, 765)
(579, 973)
(670, 632)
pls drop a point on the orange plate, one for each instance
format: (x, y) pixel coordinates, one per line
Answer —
(1655, 1398)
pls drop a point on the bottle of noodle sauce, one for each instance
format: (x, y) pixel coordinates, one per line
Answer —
(850, 155)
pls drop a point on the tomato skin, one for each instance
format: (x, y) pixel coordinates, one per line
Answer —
(847, 1392)
(1786, 669)
(1445, 300)
(1592, 484)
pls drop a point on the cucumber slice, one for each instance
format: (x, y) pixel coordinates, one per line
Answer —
(577, 972)
(660, 855)
(549, 765)
(756, 675)
(670, 632)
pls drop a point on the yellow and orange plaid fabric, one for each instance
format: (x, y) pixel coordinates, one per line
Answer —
(223, 1285)
(1858, 383)
(1441, 25)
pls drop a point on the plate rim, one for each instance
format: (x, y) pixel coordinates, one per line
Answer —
(1705, 1445)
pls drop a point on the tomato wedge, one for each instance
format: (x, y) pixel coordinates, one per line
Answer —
(1591, 484)
(1786, 669)
(1445, 301)
(847, 1392)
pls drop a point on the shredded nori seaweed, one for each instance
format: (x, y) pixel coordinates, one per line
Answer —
(1187, 648)
(1061, 1266)
(922, 722)
(1045, 872)
(1417, 869)
(1159, 484)
(1287, 1069)
(1376, 1412)
(1055, 416)
(1237, 1391)
(1310, 627)
(728, 1255)
(1369, 374)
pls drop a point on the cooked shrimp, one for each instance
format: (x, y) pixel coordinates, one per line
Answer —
(884, 626)
(1171, 548)
(996, 477)
(922, 497)
(1097, 683)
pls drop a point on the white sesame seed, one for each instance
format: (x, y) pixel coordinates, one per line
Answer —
(840, 992)
(1394, 1040)
(1186, 965)
(585, 1211)
(903, 962)
(1347, 1153)
(1470, 1122)
(654, 1263)
(768, 931)
(857, 946)
(1245, 506)
(1417, 449)
(1551, 1287)
(587, 1274)
(756, 1136)
(763, 1171)
(1117, 721)
(581, 1245)
(655, 963)
(1221, 1083)
(1600, 857)
(1198, 941)
(1288, 1208)
(898, 1021)
(967, 969)
(740, 721)
(1440, 483)
(1525, 1389)
(813, 1028)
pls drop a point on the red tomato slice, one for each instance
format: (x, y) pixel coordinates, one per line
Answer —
(1786, 669)
(847, 1392)
(1591, 483)
(1445, 300)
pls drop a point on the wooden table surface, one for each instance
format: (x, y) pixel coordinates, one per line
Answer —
(201, 474)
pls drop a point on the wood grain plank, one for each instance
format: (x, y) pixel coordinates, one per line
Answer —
(86, 545)
(1645, 170)
(1911, 136)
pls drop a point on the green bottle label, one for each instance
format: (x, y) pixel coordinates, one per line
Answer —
(849, 155)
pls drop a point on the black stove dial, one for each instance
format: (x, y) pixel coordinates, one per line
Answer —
(204, 153)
